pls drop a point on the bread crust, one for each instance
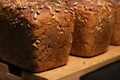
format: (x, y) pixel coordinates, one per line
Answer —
(93, 26)
(116, 28)
(35, 36)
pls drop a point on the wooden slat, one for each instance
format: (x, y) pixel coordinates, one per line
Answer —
(3, 68)
(5, 74)
(8, 76)
(76, 67)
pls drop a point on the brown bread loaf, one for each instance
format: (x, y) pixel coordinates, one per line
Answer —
(116, 29)
(93, 26)
(35, 36)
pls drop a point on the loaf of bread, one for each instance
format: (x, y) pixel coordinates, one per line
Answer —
(116, 29)
(34, 35)
(93, 26)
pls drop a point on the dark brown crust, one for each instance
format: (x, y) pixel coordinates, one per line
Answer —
(116, 29)
(35, 37)
(93, 27)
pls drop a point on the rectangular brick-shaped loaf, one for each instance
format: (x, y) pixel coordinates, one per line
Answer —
(93, 27)
(35, 36)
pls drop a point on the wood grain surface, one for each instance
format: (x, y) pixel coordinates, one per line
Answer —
(77, 66)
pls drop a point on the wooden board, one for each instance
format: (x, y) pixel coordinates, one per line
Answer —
(77, 66)
(5, 74)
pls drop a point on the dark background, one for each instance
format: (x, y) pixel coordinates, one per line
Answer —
(109, 72)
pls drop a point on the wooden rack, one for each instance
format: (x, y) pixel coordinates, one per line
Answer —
(75, 68)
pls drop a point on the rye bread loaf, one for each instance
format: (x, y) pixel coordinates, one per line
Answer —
(116, 28)
(93, 26)
(35, 36)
